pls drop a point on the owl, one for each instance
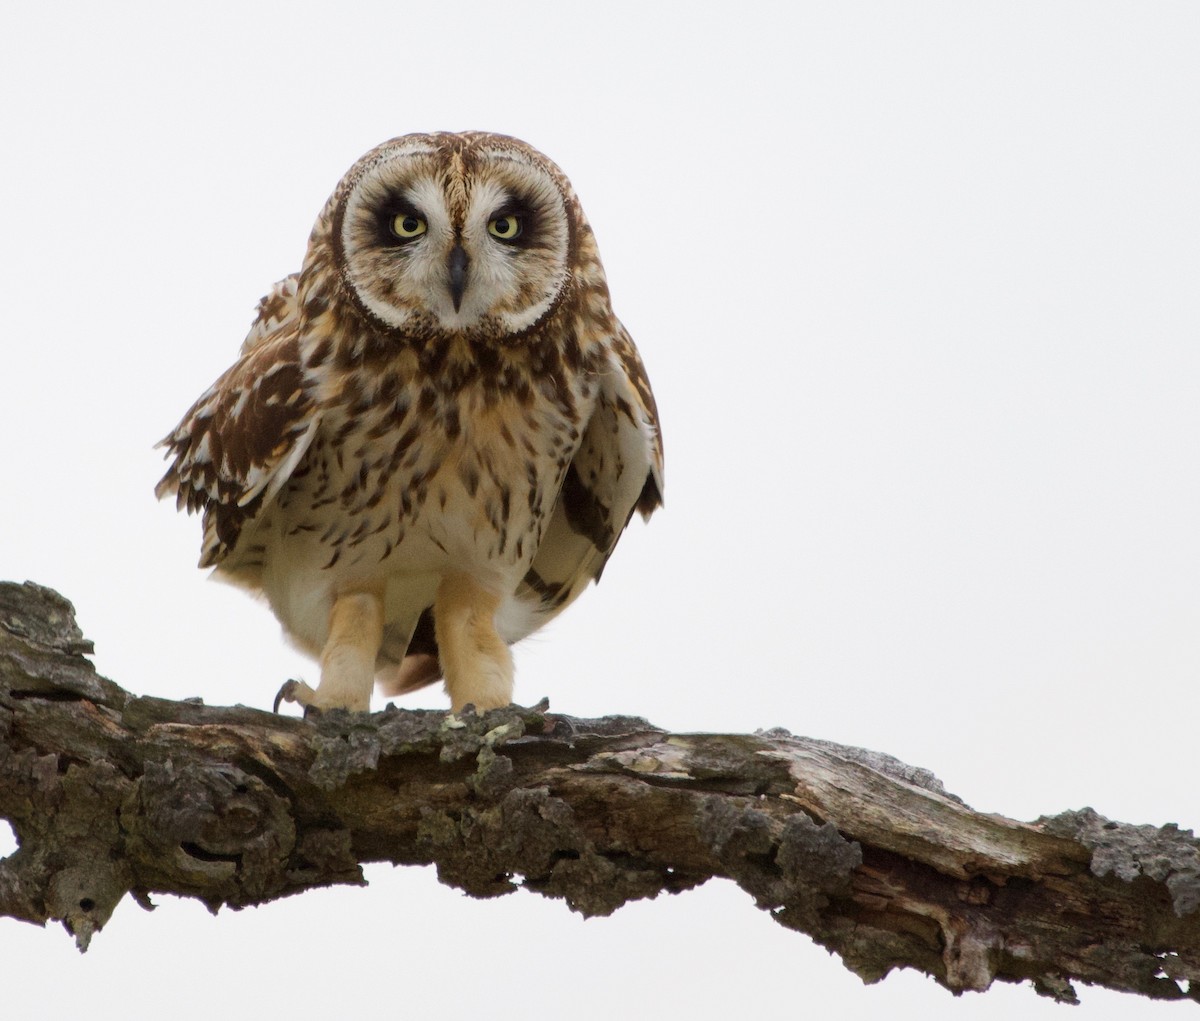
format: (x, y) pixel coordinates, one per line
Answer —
(434, 433)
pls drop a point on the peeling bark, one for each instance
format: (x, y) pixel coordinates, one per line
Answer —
(110, 794)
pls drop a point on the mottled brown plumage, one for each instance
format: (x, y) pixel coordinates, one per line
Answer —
(436, 431)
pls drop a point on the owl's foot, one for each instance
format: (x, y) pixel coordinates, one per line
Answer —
(348, 659)
(475, 660)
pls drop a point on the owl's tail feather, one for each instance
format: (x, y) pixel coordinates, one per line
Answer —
(415, 671)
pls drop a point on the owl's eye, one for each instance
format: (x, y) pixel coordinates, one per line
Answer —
(406, 226)
(505, 227)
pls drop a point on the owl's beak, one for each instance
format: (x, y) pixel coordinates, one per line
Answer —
(458, 274)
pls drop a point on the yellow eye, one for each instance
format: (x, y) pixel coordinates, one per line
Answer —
(505, 227)
(405, 226)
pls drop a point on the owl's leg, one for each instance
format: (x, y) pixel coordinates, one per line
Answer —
(476, 662)
(348, 659)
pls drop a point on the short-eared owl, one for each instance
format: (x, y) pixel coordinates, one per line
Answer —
(435, 432)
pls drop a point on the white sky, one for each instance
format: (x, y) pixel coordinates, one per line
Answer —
(916, 284)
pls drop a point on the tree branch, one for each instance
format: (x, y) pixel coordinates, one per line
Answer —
(111, 794)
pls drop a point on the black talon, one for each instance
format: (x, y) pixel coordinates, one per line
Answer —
(284, 693)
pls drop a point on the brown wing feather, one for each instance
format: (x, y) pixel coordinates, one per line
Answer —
(241, 440)
(617, 469)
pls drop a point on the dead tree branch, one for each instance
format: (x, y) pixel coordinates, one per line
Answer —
(110, 795)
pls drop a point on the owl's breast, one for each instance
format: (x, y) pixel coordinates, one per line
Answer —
(464, 481)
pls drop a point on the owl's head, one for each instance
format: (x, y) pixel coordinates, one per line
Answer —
(469, 233)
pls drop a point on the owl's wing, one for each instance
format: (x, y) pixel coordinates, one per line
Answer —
(240, 442)
(617, 469)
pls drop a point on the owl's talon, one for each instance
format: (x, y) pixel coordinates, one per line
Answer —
(285, 694)
(295, 691)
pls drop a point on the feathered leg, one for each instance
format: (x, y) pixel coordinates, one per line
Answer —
(348, 659)
(476, 662)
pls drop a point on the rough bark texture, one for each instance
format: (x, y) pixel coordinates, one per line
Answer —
(110, 795)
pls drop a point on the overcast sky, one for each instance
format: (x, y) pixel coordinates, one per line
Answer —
(917, 288)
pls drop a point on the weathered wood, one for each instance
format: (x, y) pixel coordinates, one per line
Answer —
(112, 795)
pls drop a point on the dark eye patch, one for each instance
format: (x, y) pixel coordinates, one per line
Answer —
(527, 214)
(386, 212)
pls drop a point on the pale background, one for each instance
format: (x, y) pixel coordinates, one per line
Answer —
(916, 284)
